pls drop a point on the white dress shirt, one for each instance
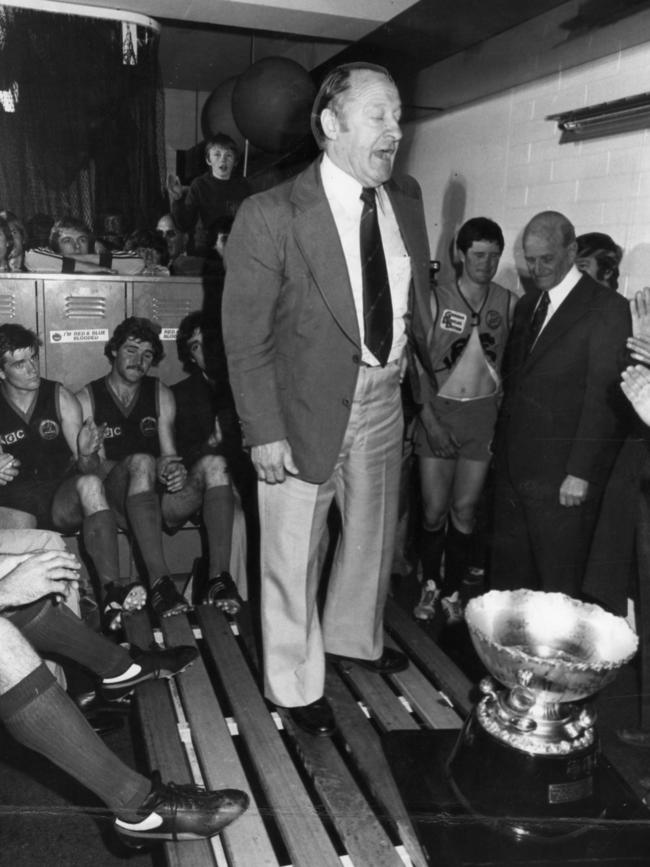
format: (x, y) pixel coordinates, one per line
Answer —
(343, 194)
(558, 293)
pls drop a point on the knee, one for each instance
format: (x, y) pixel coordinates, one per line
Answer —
(434, 516)
(213, 469)
(89, 488)
(141, 466)
(463, 515)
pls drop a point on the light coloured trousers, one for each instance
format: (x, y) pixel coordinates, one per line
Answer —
(293, 522)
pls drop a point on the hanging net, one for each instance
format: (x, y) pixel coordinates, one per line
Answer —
(81, 117)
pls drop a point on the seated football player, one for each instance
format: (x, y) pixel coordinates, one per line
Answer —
(206, 423)
(51, 473)
(145, 478)
(37, 572)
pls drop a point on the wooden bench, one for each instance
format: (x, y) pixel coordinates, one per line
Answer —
(314, 801)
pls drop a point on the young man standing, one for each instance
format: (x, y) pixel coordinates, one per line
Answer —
(212, 195)
(472, 316)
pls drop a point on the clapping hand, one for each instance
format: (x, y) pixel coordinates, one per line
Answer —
(174, 187)
(636, 388)
(639, 343)
(9, 468)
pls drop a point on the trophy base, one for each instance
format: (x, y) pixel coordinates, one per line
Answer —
(453, 836)
(542, 785)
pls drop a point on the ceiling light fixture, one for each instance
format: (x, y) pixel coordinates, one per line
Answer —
(606, 118)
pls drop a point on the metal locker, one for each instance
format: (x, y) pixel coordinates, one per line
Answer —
(18, 300)
(79, 316)
(166, 301)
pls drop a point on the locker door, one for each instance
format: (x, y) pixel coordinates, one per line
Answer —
(18, 301)
(166, 301)
(79, 317)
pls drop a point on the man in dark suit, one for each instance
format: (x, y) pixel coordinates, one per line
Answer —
(316, 375)
(560, 425)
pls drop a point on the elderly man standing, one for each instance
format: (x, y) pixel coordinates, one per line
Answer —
(322, 274)
(562, 420)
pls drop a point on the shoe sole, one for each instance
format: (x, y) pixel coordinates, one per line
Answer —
(137, 841)
(135, 599)
(367, 664)
(107, 691)
(229, 606)
(177, 609)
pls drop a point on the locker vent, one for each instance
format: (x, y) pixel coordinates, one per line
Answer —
(85, 307)
(7, 307)
(171, 308)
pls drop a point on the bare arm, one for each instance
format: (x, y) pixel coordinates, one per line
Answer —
(90, 441)
(81, 437)
(169, 468)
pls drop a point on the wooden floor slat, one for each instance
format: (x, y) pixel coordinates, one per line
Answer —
(302, 830)
(365, 840)
(377, 695)
(246, 841)
(165, 751)
(430, 706)
(364, 747)
(444, 673)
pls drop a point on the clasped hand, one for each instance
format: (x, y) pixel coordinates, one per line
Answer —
(90, 438)
(171, 472)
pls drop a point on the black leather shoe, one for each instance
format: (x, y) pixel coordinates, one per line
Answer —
(315, 718)
(176, 813)
(389, 662)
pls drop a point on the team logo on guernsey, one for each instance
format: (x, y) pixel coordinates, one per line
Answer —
(452, 320)
(111, 432)
(49, 429)
(493, 319)
(13, 437)
(148, 426)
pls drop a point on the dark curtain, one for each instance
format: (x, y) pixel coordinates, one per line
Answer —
(86, 135)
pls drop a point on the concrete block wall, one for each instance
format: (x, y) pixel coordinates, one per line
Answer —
(500, 158)
(182, 122)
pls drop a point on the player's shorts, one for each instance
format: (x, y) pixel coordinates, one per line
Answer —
(34, 496)
(472, 422)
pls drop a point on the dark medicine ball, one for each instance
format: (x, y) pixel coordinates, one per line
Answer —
(271, 103)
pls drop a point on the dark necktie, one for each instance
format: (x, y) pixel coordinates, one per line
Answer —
(537, 320)
(377, 305)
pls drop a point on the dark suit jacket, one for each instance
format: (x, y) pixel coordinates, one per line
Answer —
(563, 410)
(289, 321)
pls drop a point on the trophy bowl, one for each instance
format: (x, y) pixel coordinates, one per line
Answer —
(561, 649)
